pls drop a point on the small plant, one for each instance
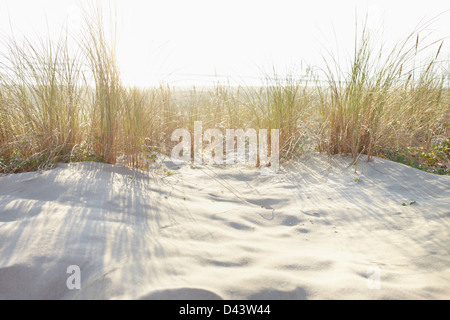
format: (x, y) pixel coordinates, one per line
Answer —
(436, 160)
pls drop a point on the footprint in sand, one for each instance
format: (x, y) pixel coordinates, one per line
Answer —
(290, 221)
(313, 214)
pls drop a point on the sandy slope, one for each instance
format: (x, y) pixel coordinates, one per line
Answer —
(308, 232)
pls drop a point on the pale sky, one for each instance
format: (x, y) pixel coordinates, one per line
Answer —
(188, 42)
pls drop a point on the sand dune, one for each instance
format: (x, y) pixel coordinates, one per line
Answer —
(309, 232)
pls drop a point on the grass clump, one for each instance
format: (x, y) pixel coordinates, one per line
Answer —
(384, 100)
(41, 109)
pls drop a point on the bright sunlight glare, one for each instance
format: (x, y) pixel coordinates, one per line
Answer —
(201, 42)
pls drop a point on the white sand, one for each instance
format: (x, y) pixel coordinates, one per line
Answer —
(320, 235)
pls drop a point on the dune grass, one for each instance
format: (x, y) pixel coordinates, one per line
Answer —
(385, 101)
(58, 104)
(41, 107)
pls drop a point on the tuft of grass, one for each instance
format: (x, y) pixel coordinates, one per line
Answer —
(41, 103)
(384, 100)
(107, 99)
